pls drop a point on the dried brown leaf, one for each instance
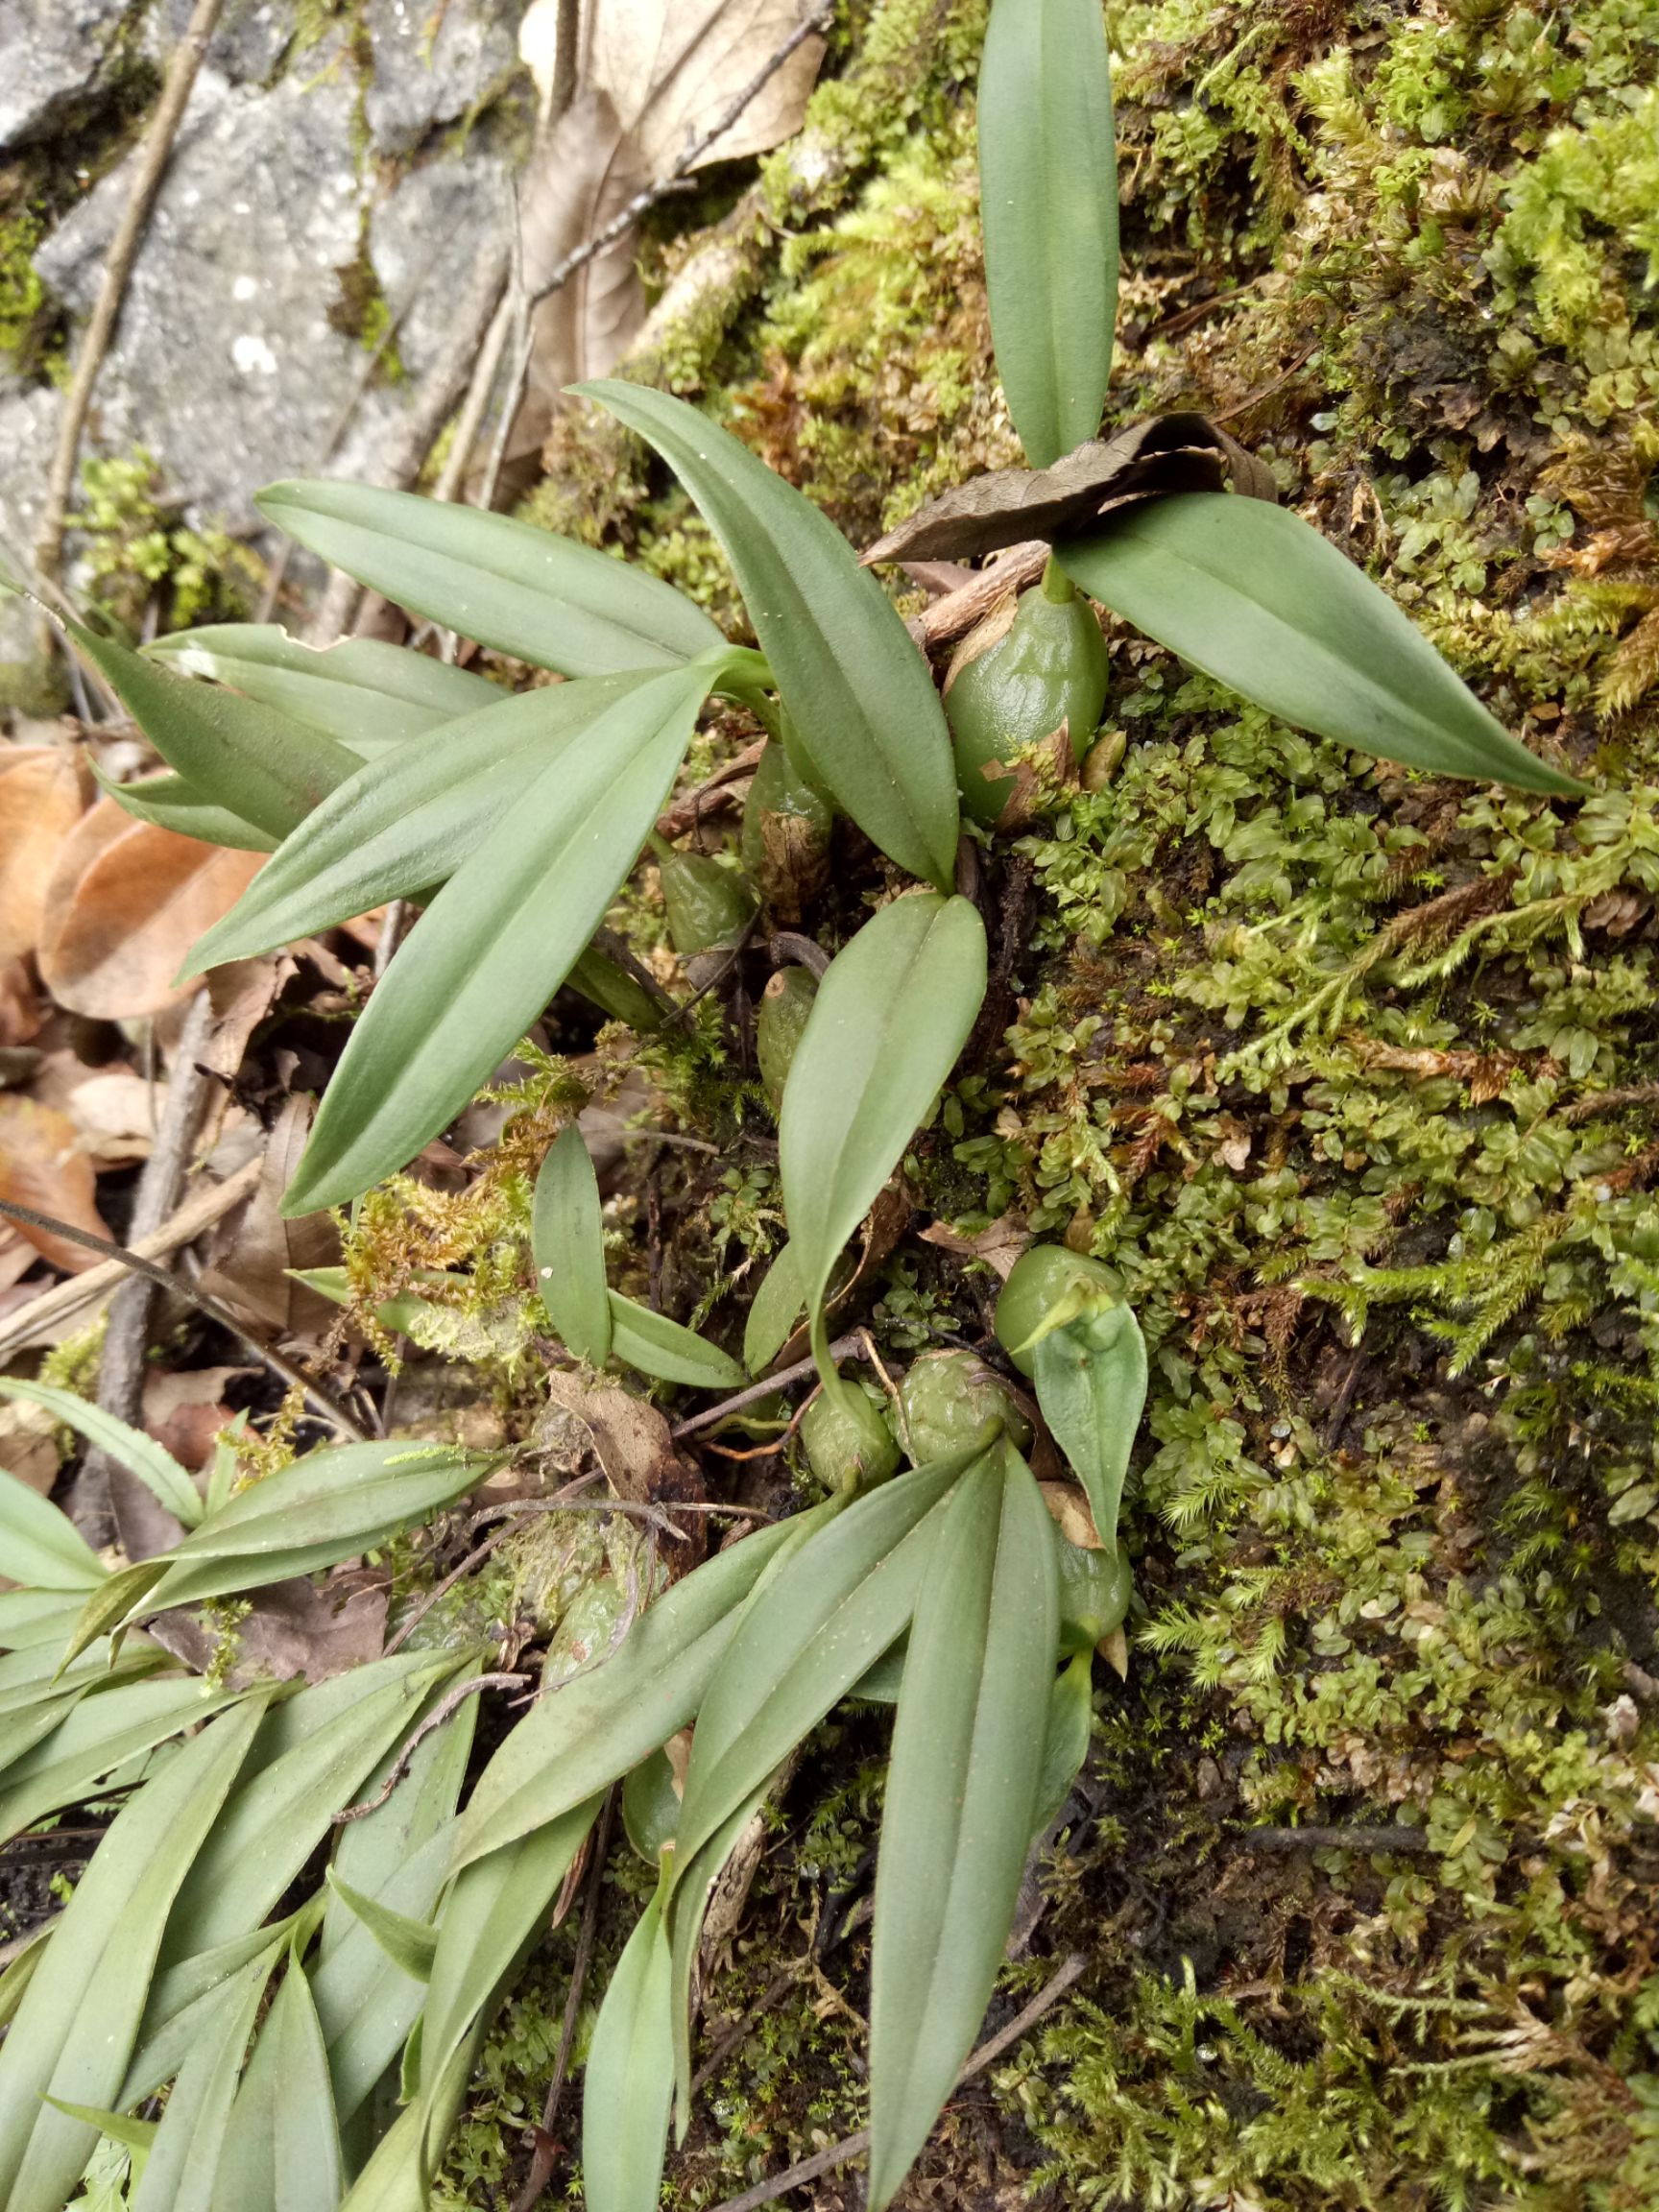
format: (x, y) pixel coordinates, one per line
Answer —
(254, 1247)
(43, 793)
(185, 1410)
(999, 1246)
(126, 902)
(1149, 460)
(673, 66)
(20, 1010)
(631, 1441)
(295, 1629)
(42, 1167)
(29, 1443)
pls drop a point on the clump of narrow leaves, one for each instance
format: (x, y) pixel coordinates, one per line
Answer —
(372, 774)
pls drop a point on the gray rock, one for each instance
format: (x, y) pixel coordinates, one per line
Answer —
(50, 50)
(420, 80)
(424, 241)
(28, 428)
(225, 364)
(248, 42)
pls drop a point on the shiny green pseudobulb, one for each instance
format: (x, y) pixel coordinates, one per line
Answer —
(946, 1398)
(1049, 1285)
(1013, 686)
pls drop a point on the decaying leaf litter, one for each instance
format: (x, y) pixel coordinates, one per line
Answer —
(1142, 1124)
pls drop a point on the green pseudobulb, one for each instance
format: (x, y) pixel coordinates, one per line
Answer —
(784, 1005)
(1049, 1285)
(1011, 686)
(949, 1397)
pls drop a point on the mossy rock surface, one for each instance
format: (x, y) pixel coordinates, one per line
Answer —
(1347, 1075)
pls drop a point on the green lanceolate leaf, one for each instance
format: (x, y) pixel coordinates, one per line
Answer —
(663, 1348)
(42, 1546)
(550, 601)
(368, 694)
(33, 1617)
(184, 2158)
(498, 942)
(98, 1735)
(892, 1013)
(1091, 1378)
(1048, 206)
(75, 2028)
(113, 1606)
(408, 1943)
(773, 1312)
(492, 1915)
(583, 1736)
(281, 2147)
(857, 693)
(405, 821)
(629, 2081)
(567, 1248)
(141, 1456)
(238, 754)
(170, 803)
(368, 2003)
(805, 1637)
(1066, 1739)
(313, 1753)
(693, 1883)
(1257, 598)
(968, 1749)
(327, 1506)
(374, 1851)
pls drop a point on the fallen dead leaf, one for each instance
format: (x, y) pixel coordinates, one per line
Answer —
(126, 902)
(28, 1444)
(295, 1629)
(579, 180)
(43, 791)
(1170, 453)
(1069, 1510)
(999, 1246)
(20, 1011)
(185, 1411)
(42, 1167)
(672, 67)
(632, 1443)
(254, 1247)
(115, 1115)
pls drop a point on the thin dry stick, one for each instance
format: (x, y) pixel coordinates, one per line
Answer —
(955, 614)
(182, 68)
(324, 1401)
(843, 1348)
(546, 2147)
(850, 2146)
(121, 1366)
(448, 1703)
(197, 1214)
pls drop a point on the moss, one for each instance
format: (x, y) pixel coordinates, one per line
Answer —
(136, 546)
(22, 295)
(1347, 1075)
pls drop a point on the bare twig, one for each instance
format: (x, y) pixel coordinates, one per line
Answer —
(955, 614)
(546, 2144)
(451, 1700)
(685, 813)
(197, 1214)
(851, 2147)
(180, 76)
(843, 1348)
(121, 1365)
(324, 1401)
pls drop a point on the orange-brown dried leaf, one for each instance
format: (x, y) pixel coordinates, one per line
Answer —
(42, 1167)
(42, 795)
(126, 901)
